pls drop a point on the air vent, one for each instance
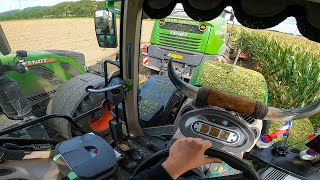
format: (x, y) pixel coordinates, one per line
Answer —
(272, 174)
(248, 119)
(5, 172)
(41, 96)
(47, 74)
(255, 132)
(186, 109)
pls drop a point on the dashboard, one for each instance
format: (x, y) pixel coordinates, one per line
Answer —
(227, 131)
(201, 125)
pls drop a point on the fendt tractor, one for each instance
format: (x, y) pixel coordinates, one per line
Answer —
(130, 130)
(29, 79)
(187, 42)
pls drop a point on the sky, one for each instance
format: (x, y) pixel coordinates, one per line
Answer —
(7, 5)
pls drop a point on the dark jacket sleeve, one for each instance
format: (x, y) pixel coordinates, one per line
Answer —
(157, 172)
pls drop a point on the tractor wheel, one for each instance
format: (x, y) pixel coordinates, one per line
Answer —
(72, 100)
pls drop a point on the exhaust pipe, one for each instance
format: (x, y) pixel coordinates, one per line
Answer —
(239, 104)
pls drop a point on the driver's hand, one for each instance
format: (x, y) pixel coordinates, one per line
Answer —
(186, 154)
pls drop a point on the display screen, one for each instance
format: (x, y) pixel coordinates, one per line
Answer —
(204, 129)
(221, 130)
(224, 135)
(214, 132)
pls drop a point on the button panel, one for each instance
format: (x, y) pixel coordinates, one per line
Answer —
(215, 131)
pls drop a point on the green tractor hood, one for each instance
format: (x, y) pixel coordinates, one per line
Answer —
(47, 70)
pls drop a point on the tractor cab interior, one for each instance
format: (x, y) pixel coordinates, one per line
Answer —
(116, 123)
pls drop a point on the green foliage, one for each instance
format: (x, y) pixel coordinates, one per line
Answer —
(298, 133)
(83, 8)
(220, 76)
(292, 70)
(315, 120)
(293, 75)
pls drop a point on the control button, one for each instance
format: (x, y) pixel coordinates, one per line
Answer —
(214, 132)
(204, 128)
(224, 135)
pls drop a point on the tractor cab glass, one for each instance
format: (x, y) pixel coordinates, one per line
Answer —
(65, 76)
(186, 42)
(226, 56)
(105, 26)
(51, 55)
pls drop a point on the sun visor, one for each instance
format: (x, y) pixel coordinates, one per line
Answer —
(204, 4)
(157, 9)
(255, 14)
(263, 8)
(313, 15)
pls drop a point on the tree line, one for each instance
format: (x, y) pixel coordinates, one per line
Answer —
(83, 8)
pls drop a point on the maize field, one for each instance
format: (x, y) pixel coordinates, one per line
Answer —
(291, 67)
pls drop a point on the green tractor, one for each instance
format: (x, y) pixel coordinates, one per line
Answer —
(31, 82)
(187, 42)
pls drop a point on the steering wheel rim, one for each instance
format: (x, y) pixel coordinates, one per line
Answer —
(230, 159)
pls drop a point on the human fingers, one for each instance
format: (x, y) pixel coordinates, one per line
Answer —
(207, 144)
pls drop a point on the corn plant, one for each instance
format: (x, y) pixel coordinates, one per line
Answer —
(293, 75)
(292, 71)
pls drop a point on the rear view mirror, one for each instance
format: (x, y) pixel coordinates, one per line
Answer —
(4, 45)
(106, 29)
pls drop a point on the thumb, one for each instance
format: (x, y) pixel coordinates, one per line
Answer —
(209, 160)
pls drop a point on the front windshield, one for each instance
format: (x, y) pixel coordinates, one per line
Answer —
(76, 66)
(60, 45)
(285, 68)
(51, 43)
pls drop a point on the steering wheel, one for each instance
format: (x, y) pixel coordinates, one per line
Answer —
(231, 160)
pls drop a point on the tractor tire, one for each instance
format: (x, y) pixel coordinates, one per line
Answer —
(72, 54)
(72, 100)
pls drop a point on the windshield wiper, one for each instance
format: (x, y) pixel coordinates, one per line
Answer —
(31, 147)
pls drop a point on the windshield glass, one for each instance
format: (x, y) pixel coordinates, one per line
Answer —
(54, 46)
(54, 42)
(276, 66)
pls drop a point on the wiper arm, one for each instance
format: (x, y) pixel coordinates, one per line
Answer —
(32, 147)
